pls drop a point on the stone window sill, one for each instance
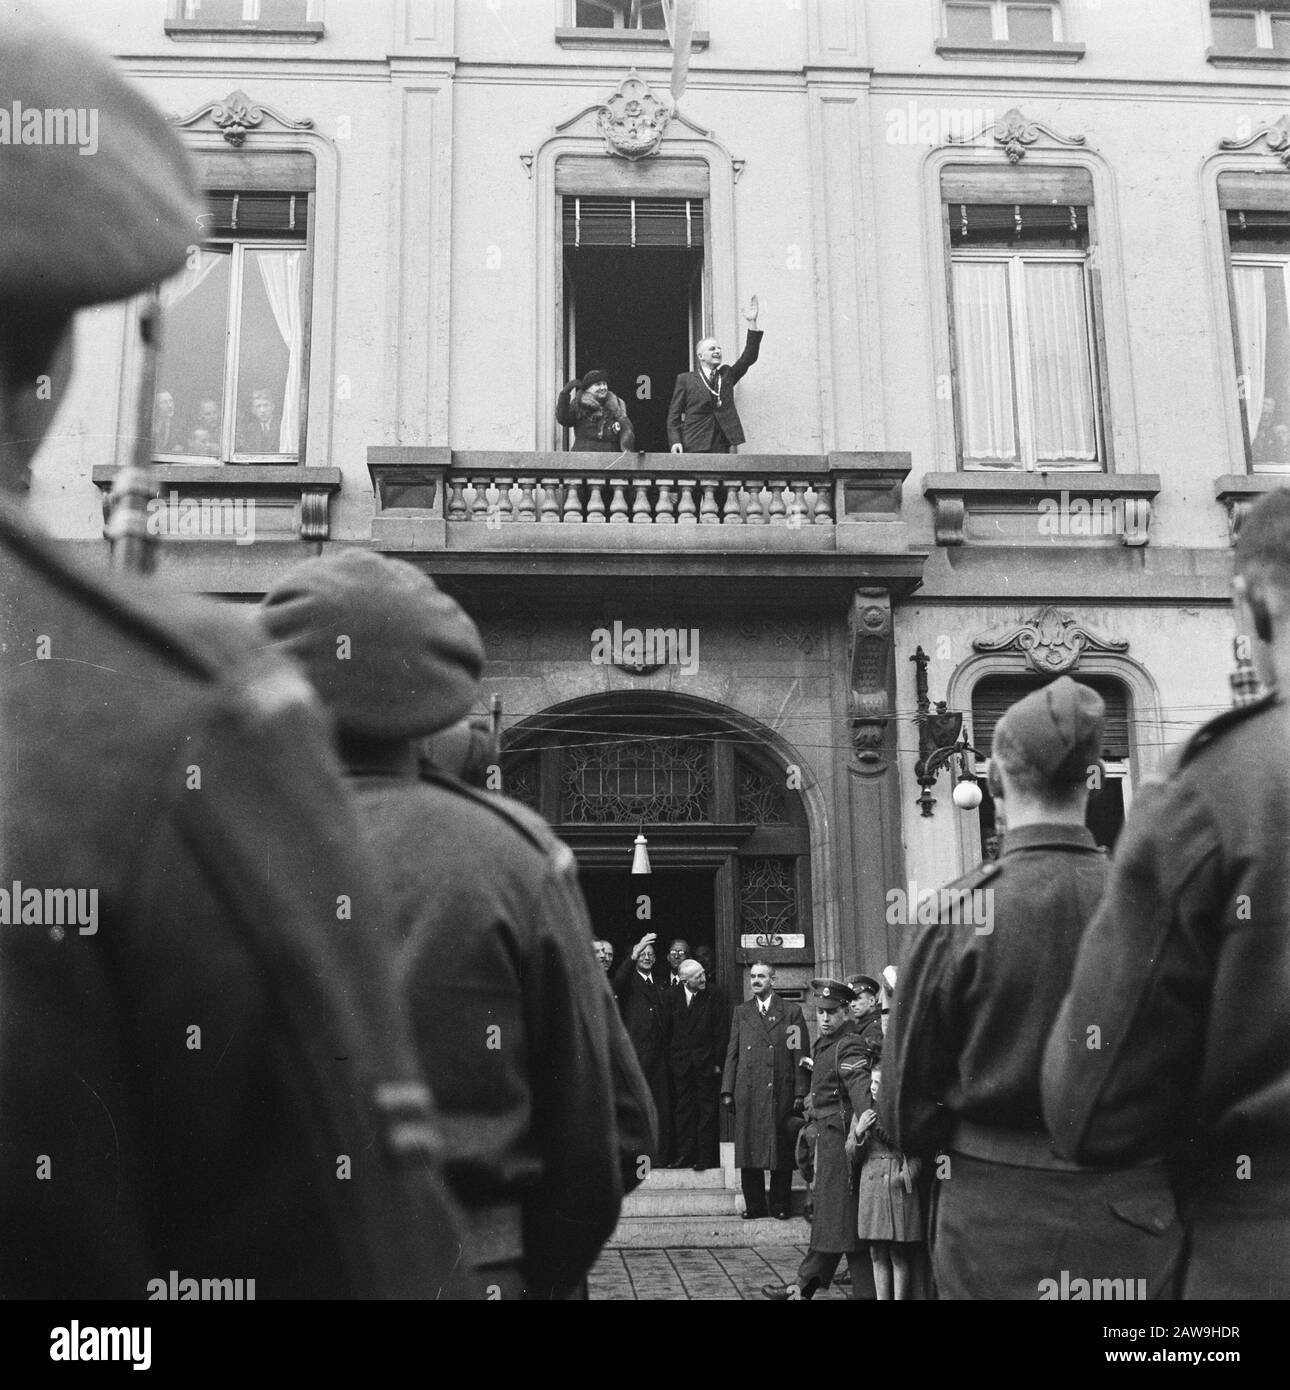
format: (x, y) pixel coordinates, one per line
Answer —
(1007, 51)
(955, 495)
(623, 38)
(248, 31)
(295, 500)
(1247, 58)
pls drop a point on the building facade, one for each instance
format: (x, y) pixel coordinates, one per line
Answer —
(1023, 272)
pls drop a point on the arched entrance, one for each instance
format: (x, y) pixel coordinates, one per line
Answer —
(719, 801)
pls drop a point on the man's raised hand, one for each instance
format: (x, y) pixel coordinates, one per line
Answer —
(751, 312)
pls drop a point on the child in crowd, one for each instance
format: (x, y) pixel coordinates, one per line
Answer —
(890, 1213)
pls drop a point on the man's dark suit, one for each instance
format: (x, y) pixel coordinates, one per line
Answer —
(711, 422)
(643, 1003)
(695, 1051)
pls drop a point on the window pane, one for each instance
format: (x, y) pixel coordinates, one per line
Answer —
(216, 11)
(650, 16)
(237, 11)
(1263, 358)
(1234, 31)
(1061, 378)
(270, 353)
(1030, 23)
(968, 23)
(1281, 33)
(987, 427)
(588, 15)
(190, 372)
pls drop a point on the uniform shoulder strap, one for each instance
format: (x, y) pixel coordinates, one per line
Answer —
(1218, 726)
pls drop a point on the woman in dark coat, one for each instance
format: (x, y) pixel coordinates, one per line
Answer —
(596, 416)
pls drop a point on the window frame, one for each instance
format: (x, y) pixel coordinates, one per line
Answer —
(999, 20)
(1028, 461)
(1262, 16)
(1269, 259)
(617, 13)
(178, 26)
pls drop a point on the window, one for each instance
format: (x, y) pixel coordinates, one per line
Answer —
(995, 21)
(1266, 26)
(1108, 804)
(1259, 266)
(619, 14)
(230, 12)
(231, 379)
(1027, 390)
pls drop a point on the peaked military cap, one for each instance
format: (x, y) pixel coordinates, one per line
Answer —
(834, 991)
(390, 655)
(864, 983)
(97, 194)
(1057, 729)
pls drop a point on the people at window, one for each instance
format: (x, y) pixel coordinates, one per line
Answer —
(702, 418)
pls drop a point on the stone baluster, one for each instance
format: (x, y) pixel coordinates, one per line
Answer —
(755, 515)
(503, 506)
(709, 512)
(457, 499)
(798, 512)
(618, 510)
(686, 514)
(777, 508)
(595, 501)
(641, 515)
(479, 508)
(528, 503)
(550, 509)
(823, 504)
(665, 507)
(572, 500)
(731, 514)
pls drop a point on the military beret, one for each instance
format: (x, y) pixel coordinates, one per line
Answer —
(1057, 730)
(864, 983)
(97, 194)
(832, 993)
(390, 655)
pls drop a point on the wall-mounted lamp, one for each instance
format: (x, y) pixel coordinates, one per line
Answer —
(942, 744)
(640, 853)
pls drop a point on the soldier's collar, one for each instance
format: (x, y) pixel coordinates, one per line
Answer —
(1048, 835)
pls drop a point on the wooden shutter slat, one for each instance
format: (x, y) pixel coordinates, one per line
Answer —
(994, 694)
(965, 183)
(1250, 191)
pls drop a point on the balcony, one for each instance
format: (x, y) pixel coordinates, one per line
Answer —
(798, 518)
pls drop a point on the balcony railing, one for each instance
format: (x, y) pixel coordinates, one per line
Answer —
(437, 498)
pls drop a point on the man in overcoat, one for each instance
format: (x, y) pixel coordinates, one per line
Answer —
(762, 1086)
(702, 418)
(979, 991)
(696, 1035)
(642, 1001)
(840, 1081)
(1184, 972)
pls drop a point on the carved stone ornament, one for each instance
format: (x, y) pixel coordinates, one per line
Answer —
(805, 636)
(1052, 642)
(633, 120)
(1276, 135)
(871, 633)
(1016, 133)
(236, 116)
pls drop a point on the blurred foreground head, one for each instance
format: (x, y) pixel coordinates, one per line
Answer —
(97, 202)
(1262, 583)
(392, 657)
(1046, 743)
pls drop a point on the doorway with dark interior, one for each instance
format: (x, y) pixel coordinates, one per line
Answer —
(681, 904)
(633, 300)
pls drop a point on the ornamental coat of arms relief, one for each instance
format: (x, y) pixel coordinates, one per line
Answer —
(633, 120)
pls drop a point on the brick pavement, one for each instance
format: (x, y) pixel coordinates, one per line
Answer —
(679, 1275)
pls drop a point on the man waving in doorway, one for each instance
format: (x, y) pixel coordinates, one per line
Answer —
(702, 418)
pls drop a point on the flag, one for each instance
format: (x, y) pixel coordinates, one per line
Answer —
(680, 29)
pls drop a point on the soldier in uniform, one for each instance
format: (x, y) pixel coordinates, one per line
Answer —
(840, 1081)
(511, 1013)
(203, 1072)
(866, 1011)
(979, 990)
(1175, 1033)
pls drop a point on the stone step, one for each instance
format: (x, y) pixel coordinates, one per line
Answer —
(673, 1232)
(687, 1180)
(648, 1200)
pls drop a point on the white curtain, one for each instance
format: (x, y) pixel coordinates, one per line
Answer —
(988, 429)
(1060, 374)
(1249, 284)
(280, 272)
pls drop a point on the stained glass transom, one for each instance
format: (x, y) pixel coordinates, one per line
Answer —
(664, 781)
